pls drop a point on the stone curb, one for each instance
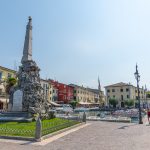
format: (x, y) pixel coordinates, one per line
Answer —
(58, 132)
(117, 121)
(17, 138)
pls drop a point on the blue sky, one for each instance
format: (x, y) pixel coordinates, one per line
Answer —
(74, 41)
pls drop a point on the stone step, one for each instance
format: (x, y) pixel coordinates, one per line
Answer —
(15, 119)
(14, 114)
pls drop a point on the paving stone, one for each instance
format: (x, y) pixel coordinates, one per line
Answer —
(97, 136)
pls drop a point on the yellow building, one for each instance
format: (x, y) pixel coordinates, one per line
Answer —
(122, 92)
(5, 73)
(49, 92)
(87, 96)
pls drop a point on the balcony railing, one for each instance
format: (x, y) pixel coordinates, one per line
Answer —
(3, 94)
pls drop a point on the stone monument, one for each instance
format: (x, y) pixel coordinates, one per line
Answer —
(27, 96)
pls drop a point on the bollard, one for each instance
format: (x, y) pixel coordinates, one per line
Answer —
(38, 130)
(84, 117)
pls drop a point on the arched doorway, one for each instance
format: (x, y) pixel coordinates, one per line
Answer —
(122, 104)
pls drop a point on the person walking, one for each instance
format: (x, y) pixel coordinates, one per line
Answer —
(148, 115)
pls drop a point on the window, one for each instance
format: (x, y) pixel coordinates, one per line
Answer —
(108, 91)
(9, 75)
(121, 97)
(44, 86)
(113, 90)
(127, 90)
(1, 75)
(135, 91)
(121, 90)
(75, 91)
(127, 96)
(0, 91)
(114, 96)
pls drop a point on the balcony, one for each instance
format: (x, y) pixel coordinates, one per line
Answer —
(3, 95)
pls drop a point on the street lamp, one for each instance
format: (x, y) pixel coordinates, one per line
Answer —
(137, 77)
(145, 94)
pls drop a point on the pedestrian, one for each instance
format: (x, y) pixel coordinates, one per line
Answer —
(148, 115)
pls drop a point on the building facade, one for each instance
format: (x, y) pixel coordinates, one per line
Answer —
(87, 96)
(64, 92)
(99, 97)
(46, 89)
(122, 92)
(5, 73)
(53, 93)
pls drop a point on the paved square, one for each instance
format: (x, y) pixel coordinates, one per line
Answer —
(96, 136)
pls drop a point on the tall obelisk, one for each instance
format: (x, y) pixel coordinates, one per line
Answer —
(27, 51)
(31, 99)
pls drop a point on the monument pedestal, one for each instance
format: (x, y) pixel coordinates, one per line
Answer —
(16, 117)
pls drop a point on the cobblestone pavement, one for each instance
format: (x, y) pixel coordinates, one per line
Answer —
(97, 136)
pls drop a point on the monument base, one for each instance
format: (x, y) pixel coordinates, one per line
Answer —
(18, 109)
(15, 116)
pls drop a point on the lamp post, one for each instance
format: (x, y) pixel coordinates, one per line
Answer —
(145, 94)
(137, 77)
(47, 93)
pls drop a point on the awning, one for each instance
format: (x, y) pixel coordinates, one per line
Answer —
(3, 100)
(54, 104)
(85, 103)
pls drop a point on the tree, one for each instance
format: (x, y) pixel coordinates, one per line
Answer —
(148, 94)
(10, 82)
(73, 103)
(113, 102)
(129, 103)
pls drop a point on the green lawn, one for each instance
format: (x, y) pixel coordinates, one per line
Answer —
(28, 129)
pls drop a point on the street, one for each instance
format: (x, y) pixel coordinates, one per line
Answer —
(96, 136)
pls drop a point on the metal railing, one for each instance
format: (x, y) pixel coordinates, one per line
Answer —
(38, 128)
(48, 128)
(3, 94)
(17, 129)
